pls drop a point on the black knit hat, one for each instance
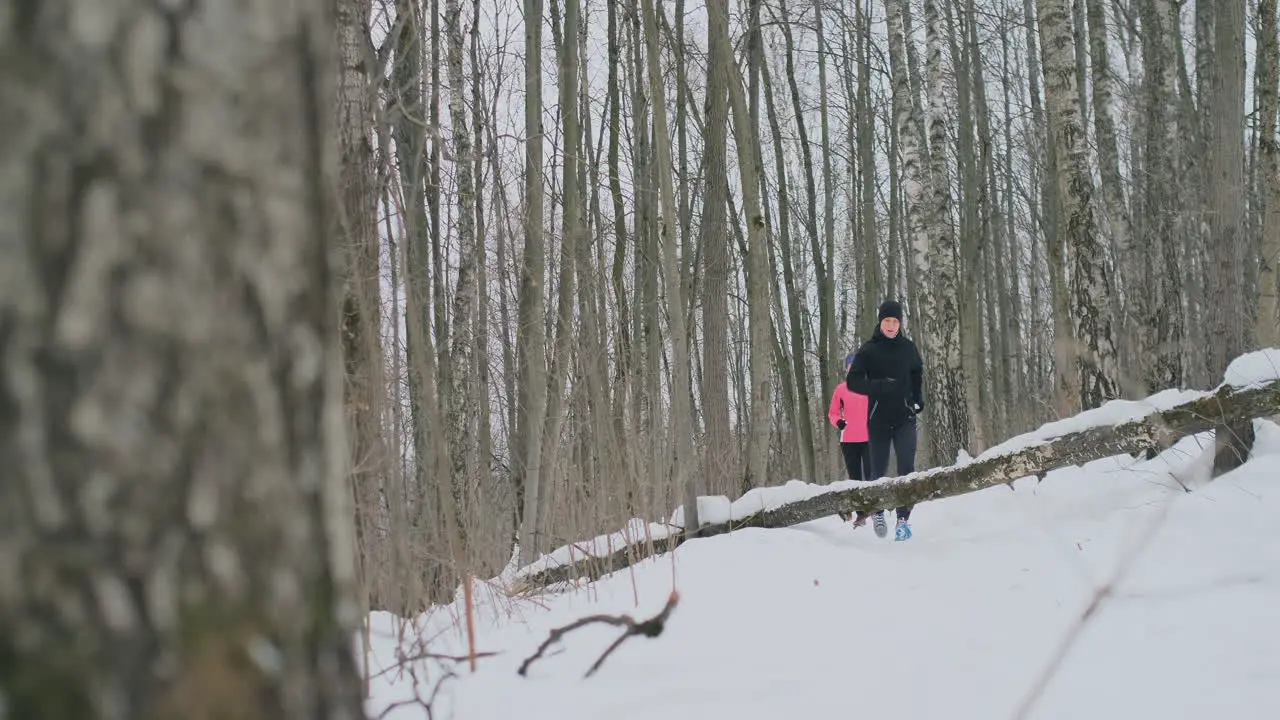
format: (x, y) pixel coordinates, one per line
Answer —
(890, 308)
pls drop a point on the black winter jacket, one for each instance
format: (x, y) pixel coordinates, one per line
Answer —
(890, 373)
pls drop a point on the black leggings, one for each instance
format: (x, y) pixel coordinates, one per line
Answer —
(903, 440)
(857, 460)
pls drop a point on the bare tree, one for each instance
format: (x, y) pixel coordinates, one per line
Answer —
(758, 295)
(1267, 330)
(531, 359)
(681, 413)
(1227, 312)
(718, 453)
(357, 230)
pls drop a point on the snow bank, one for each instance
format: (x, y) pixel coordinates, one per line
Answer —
(1254, 369)
(637, 530)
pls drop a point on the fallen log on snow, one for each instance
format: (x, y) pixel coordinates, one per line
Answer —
(1157, 431)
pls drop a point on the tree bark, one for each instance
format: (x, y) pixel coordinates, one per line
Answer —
(1267, 329)
(948, 419)
(1161, 332)
(681, 428)
(873, 285)
(907, 120)
(1227, 308)
(1091, 320)
(531, 357)
(719, 450)
(175, 528)
(1117, 209)
(758, 295)
(357, 235)
(1228, 311)
(1156, 432)
(463, 412)
(797, 402)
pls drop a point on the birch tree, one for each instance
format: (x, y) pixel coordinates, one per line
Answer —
(1157, 286)
(463, 415)
(949, 406)
(1104, 125)
(1095, 354)
(175, 528)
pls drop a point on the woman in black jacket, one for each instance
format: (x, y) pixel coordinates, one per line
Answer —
(889, 371)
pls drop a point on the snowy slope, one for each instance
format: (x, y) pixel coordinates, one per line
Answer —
(979, 616)
(822, 620)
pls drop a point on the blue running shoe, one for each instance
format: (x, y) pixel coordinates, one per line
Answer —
(903, 531)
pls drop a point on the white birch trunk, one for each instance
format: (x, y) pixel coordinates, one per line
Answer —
(948, 415)
(1091, 319)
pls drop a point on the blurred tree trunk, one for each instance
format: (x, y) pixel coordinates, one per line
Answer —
(357, 235)
(176, 536)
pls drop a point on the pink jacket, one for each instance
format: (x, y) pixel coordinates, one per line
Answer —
(852, 407)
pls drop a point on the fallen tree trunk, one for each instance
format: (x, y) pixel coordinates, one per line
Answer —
(1156, 432)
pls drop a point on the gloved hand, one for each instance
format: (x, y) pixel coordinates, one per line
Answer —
(917, 407)
(840, 424)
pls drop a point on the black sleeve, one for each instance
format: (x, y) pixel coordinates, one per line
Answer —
(917, 379)
(857, 379)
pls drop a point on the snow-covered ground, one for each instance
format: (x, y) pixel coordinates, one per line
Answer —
(978, 613)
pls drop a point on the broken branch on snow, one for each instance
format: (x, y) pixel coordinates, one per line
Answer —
(649, 628)
(1226, 408)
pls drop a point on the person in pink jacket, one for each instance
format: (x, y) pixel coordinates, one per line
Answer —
(848, 413)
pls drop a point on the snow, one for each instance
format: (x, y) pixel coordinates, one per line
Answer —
(1254, 369)
(964, 621)
(637, 530)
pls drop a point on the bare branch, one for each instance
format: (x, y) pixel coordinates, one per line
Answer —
(649, 628)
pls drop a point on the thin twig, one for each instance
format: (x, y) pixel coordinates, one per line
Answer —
(649, 628)
(1100, 596)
